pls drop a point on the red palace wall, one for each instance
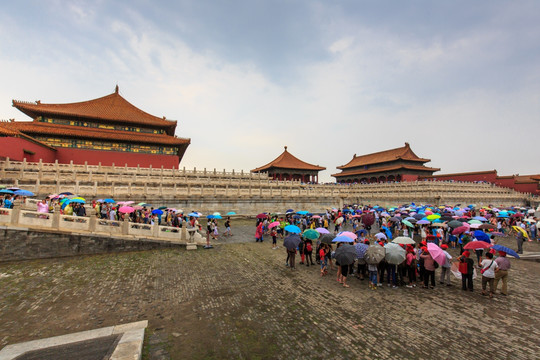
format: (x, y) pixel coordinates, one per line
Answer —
(481, 176)
(107, 158)
(408, 177)
(13, 147)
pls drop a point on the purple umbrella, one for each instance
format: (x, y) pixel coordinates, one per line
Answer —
(322, 231)
(423, 222)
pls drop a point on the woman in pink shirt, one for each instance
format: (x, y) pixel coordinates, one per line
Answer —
(429, 265)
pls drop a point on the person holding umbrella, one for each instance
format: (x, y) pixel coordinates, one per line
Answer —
(445, 268)
(504, 265)
(429, 268)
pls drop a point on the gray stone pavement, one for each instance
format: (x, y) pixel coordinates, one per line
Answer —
(240, 301)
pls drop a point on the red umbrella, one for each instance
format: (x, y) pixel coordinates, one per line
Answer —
(477, 245)
(460, 230)
(262, 216)
(368, 219)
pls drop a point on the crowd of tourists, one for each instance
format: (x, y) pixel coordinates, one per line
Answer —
(426, 235)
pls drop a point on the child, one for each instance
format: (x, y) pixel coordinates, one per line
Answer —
(372, 276)
(273, 234)
(322, 256)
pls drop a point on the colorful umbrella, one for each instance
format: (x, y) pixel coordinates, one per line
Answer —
(361, 250)
(126, 209)
(506, 250)
(303, 212)
(343, 238)
(322, 230)
(293, 229)
(436, 253)
(273, 224)
(460, 230)
(408, 223)
(348, 234)
(157, 212)
(521, 230)
(230, 213)
(477, 245)
(262, 216)
(311, 234)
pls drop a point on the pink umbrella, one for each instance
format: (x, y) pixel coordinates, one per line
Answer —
(126, 202)
(322, 231)
(436, 253)
(126, 209)
(274, 224)
(348, 234)
(137, 207)
(460, 230)
(315, 217)
(477, 245)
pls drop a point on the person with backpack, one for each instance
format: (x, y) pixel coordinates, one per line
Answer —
(489, 268)
(466, 268)
(308, 250)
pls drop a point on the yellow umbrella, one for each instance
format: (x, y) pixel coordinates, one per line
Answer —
(520, 229)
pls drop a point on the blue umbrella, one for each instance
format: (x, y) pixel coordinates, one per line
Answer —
(303, 212)
(293, 229)
(480, 218)
(290, 211)
(388, 232)
(110, 201)
(218, 217)
(343, 238)
(65, 193)
(361, 250)
(506, 250)
(157, 211)
(482, 236)
(210, 217)
(231, 213)
(193, 214)
(6, 191)
(361, 232)
(24, 193)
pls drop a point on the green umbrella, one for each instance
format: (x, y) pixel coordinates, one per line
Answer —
(408, 223)
(311, 234)
(475, 222)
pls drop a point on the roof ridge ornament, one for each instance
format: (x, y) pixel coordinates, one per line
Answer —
(116, 89)
(285, 147)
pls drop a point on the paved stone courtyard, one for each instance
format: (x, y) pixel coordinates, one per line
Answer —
(240, 301)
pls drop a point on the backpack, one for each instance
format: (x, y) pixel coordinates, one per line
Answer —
(309, 248)
(436, 264)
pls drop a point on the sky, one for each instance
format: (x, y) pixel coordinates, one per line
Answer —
(458, 80)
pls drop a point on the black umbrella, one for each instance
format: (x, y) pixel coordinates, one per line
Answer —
(345, 254)
(395, 219)
(292, 241)
(446, 218)
(455, 223)
(327, 238)
(487, 226)
(419, 216)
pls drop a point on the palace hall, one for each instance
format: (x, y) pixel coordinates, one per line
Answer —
(107, 130)
(400, 164)
(288, 167)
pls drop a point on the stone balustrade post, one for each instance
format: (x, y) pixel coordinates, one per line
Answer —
(15, 212)
(56, 217)
(92, 220)
(155, 230)
(125, 225)
(183, 233)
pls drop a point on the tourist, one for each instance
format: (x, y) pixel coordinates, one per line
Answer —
(489, 268)
(410, 260)
(429, 268)
(466, 268)
(8, 203)
(372, 269)
(504, 265)
(227, 227)
(520, 240)
(308, 250)
(112, 214)
(445, 268)
(322, 256)
(259, 232)
(291, 254)
(273, 234)
(43, 206)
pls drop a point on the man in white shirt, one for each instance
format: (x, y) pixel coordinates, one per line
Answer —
(489, 267)
(445, 268)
